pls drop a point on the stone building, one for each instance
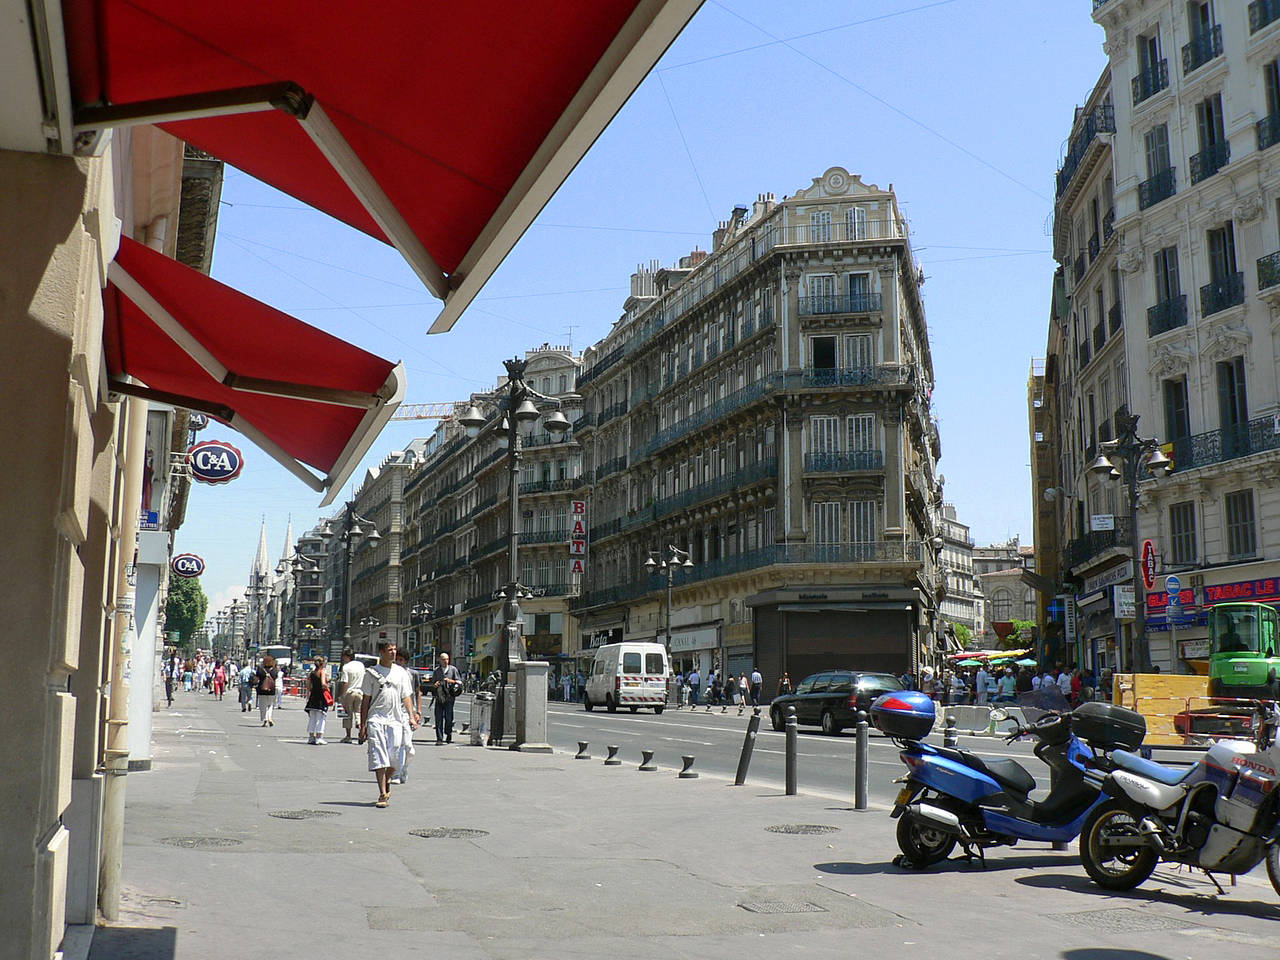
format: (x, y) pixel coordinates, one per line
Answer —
(765, 406)
(962, 600)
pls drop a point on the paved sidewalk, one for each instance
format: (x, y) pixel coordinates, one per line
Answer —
(574, 859)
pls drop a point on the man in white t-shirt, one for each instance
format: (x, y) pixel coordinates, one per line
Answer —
(349, 692)
(387, 716)
(980, 681)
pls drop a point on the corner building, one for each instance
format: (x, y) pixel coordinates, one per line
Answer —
(765, 406)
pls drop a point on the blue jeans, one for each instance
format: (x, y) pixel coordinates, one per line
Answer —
(693, 694)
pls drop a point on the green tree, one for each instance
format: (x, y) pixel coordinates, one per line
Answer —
(964, 635)
(186, 607)
(1024, 635)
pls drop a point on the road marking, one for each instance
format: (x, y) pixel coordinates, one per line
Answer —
(701, 743)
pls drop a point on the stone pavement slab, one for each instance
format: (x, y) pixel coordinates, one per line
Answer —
(543, 856)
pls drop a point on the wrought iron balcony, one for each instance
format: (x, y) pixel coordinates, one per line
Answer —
(1085, 548)
(1202, 48)
(1115, 317)
(848, 461)
(1268, 271)
(1086, 353)
(548, 485)
(610, 467)
(850, 303)
(1160, 187)
(1109, 224)
(1227, 443)
(1099, 336)
(852, 376)
(1268, 130)
(1150, 81)
(1095, 244)
(1218, 295)
(544, 536)
(1263, 13)
(610, 412)
(765, 469)
(1099, 4)
(1167, 316)
(1210, 160)
(1079, 266)
(1101, 120)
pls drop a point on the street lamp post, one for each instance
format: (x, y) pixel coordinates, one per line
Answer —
(351, 530)
(1134, 454)
(521, 411)
(295, 565)
(668, 562)
(369, 624)
(419, 614)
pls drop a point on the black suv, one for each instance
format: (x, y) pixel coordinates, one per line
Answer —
(832, 699)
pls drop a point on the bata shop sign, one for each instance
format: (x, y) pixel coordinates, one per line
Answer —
(215, 461)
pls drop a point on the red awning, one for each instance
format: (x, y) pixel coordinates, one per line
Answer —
(442, 128)
(174, 335)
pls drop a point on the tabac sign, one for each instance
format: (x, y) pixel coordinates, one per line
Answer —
(215, 461)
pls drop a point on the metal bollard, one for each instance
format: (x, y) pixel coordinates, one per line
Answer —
(685, 772)
(612, 759)
(861, 766)
(793, 732)
(949, 736)
(646, 761)
(582, 751)
(748, 744)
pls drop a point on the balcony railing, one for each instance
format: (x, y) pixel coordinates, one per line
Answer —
(709, 414)
(1095, 244)
(548, 485)
(610, 412)
(1115, 317)
(849, 303)
(1160, 187)
(1101, 120)
(739, 479)
(1099, 336)
(1167, 316)
(1262, 13)
(544, 536)
(546, 439)
(1210, 160)
(1218, 295)
(1268, 130)
(1108, 224)
(848, 461)
(1086, 353)
(1268, 271)
(610, 467)
(1080, 265)
(1099, 4)
(1227, 443)
(1202, 48)
(851, 376)
(1092, 544)
(1150, 81)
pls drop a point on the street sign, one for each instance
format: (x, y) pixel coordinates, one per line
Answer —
(215, 461)
(1148, 564)
(1123, 602)
(1102, 521)
(1172, 585)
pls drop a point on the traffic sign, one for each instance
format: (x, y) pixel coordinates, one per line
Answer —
(1172, 585)
(1148, 564)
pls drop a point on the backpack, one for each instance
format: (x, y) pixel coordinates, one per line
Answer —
(268, 684)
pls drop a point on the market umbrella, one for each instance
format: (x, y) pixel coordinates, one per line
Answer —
(969, 663)
(1026, 662)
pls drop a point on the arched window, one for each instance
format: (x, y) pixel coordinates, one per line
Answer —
(1002, 605)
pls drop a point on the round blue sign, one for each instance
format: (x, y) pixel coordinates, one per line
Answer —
(187, 565)
(215, 461)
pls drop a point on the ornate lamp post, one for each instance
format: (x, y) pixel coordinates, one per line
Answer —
(295, 565)
(419, 614)
(668, 562)
(1133, 454)
(519, 405)
(370, 624)
(350, 531)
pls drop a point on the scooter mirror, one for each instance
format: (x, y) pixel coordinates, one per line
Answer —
(999, 715)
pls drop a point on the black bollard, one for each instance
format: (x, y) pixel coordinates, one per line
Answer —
(861, 767)
(748, 744)
(582, 751)
(646, 761)
(612, 759)
(793, 733)
(949, 736)
(685, 772)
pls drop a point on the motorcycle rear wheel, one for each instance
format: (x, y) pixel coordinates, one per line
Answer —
(923, 845)
(1273, 865)
(1114, 870)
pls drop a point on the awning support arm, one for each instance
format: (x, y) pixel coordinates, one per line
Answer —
(273, 449)
(285, 96)
(173, 399)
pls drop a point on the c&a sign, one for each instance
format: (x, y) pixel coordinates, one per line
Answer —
(187, 565)
(215, 461)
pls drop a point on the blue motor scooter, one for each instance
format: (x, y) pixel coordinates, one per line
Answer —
(952, 796)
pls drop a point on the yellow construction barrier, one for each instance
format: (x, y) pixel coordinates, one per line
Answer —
(1161, 697)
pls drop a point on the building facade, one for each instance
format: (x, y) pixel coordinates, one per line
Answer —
(961, 603)
(764, 406)
(1188, 265)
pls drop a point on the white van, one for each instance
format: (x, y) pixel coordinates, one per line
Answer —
(631, 675)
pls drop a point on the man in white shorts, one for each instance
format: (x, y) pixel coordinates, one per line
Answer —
(349, 690)
(387, 717)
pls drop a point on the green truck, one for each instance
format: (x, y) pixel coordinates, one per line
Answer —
(1244, 652)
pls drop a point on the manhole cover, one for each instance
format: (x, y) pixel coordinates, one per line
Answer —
(782, 906)
(1120, 920)
(448, 833)
(302, 814)
(806, 828)
(201, 843)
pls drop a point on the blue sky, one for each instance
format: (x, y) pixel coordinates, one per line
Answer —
(963, 105)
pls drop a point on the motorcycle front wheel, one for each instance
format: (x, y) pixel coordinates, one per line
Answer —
(1273, 865)
(1114, 867)
(921, 843)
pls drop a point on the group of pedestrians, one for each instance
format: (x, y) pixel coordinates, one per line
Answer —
(989, 683)
(721, 691)
(196, 674)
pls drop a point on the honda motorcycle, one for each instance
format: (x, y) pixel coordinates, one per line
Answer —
(952, 796)
(1222, 815)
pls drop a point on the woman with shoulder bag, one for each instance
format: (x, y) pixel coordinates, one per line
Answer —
(266, 678)
(319, 700)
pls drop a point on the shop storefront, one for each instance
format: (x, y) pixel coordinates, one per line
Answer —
(1181, 644)
(695, 647)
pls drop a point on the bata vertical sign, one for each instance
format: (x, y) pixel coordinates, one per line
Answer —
(578, 536)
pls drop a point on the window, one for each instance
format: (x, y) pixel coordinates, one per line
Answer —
(631, 662)
(824, 434)
(1149, 51)
(1222, 253)
(654, 664)
(1271, 84)
(1168, 286)
(859, 291)
(859, 351)
(862, 521)
(862, 432)
(1233, 407)
(1182, 533)
(544, 571)
(820, 226)
(564, 383)
(856, 223)
(1177, 420)
(1157, 150)
(826, 522)
(1002, 606)
(822, 351)
(822, 291)
(1199, 17)
(1209, 124)
(1242, 539)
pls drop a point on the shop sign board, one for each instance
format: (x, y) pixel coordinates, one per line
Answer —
(1148, 564)
(215, 461)
(1123, 603)
(187, 565)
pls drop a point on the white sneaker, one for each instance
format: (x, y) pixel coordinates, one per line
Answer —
(321, 742)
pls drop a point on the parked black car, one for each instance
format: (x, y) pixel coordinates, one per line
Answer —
(831, 699)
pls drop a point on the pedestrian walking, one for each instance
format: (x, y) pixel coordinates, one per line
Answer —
(566, 682)
(280, 687)
(386, 709)
(784, 684)
(408, 753)
(980, 685)
(268, 678)
(693, 680)
(246, 679)
(446, 684)
(170, 666)
(350, 682)
(219, 679)
(744, 691)
(319, 700)
(757, 682)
